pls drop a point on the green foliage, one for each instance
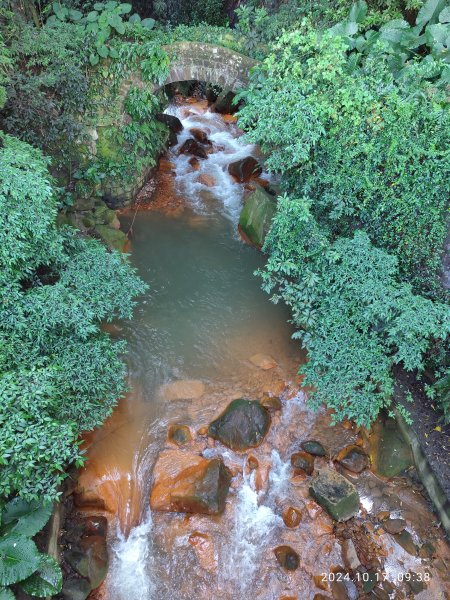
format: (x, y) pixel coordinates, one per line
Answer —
(354, 318)
(187, 12)
(20, 561)
(4, 68)
(59, 374)
(362, 145)
(441, 391)
(366, 146)
(47, 88)
(102, 22)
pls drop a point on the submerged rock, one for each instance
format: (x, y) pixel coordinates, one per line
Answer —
(349, 555)
(394, 525)
(353, 458)
(335, 494)
(186, 482)
(205, 550)
(242, 425)
(184, 389)
(303, 461)
(191, 146)
(207, 180)
(292, 517)
(287, 557)
(244, 169)
(263, 361)
(271, 402)
(256, 217)
(179, 434)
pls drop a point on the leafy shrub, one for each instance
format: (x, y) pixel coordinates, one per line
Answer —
(59, 375)
(21, 563)
(362, 145)
(352, 315)
(47, 88)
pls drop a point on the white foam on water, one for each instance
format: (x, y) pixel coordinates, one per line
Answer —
(229, 149)
(278, 477)
(130, 573)
(253, 526)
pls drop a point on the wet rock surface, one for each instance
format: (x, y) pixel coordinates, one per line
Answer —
(256, 217)
(179, 434)
(185, 482)
(244, 169)
(302, 461)
(353, 458)
(192, 146)
(242, 425)
(313, 447)
(287, 558)
(335, 494)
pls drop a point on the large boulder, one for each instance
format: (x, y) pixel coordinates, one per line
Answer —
(186, 482)
(335, 494)
(193, 147)
(390, 454)
(174, 124)
(242, 425)
(224, 103)
(256, 217)
(113, 238)
(244, 169)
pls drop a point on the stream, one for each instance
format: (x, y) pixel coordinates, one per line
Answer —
(191, 344)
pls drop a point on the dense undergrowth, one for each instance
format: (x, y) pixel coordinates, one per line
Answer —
(350, 105)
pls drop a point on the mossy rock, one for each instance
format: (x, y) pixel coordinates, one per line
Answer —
(103, 214)
(335, 494)
(107, 144)
(114, 238)
(390, 454)
(256, 217)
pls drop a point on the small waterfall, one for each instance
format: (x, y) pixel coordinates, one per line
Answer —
(129, 575)
(253, 527)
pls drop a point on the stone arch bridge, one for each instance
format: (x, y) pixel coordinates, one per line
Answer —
(206, 62)
(188, 61)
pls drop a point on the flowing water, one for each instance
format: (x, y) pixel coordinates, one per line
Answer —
(203, 318)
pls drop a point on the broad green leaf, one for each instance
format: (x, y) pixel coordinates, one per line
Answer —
(345, 28)
(6, 594)
(75, 15)
(92, 16)
(99, 6)
(149, 23)
(19, 558)
(92, 27)
(94, 59)
(430, 11)
(135, 18)
(111, 5)
(46, 580)
(113, 53)
(444, 16)
(26, 518)
(124, 8)
(358, 12)
(103, 51)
